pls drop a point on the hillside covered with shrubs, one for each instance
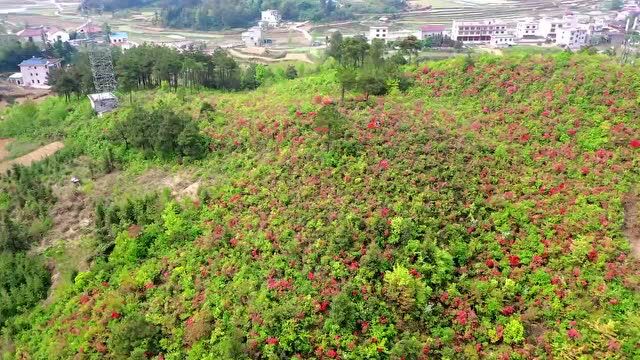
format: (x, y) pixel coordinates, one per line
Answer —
(478, 212)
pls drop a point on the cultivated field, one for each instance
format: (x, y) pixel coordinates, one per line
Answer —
(139, 25)
(36, 155)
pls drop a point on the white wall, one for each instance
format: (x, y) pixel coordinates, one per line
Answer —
(35, 76)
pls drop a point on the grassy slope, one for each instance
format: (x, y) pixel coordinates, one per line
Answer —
(497, 188)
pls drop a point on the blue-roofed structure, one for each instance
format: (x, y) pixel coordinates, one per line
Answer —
(34, 61)
(35, 71)
(119, 34)
(119, 38)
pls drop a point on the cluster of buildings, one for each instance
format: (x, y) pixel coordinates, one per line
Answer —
(383, 32)
(572, 31)
(35, 71)
(47, 35)
(255, 36)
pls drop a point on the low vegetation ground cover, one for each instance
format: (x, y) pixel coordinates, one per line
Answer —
(478, 213)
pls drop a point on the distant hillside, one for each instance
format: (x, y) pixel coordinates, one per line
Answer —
(478, 214)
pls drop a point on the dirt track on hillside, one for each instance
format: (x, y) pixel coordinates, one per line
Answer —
(36, 155)
(288, 57)
(4, 153)
(631, 229)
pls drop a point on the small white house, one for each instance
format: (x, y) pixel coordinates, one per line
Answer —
(54, 34)
(35, 71)
(119, 38)
(428, 31)
(16, 79)
(253, 37)
(502, 40)
(270, 18)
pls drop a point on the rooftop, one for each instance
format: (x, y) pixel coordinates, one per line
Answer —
(53, 29)
(30, 32)
(102, 96)
(119, 34)
(433, 28)
(35, 61)
(90, 28)
(16, 76)
(479, 22)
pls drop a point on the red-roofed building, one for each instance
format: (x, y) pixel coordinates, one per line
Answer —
(42, 34)
(89, 29)
(35, 35)
(428, 31)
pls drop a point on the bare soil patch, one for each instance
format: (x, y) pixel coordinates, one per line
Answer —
(10, 93)
(631, 229)
(36, 155)
(4, 153)
(262, 59)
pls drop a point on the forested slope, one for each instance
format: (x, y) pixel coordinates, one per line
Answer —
(478, 214)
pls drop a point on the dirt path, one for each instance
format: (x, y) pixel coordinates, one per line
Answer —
(288, 57)
(4, 143)
(36, 155)
(631, 203)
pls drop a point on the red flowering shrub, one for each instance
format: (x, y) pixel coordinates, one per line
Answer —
(514, 260)
(474, 216)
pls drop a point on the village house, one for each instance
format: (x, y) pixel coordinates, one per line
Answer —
(89, 29)
(16, 79)
(573, 37)
(527, 28)
(35, 71)
(502, 40)
(428, 31)
(120, 39)
(270, 18)
(185, 45)
(253, 37)
(378, 32)
(35, 35)
(54, 34)
(548, 27)
(478, 31)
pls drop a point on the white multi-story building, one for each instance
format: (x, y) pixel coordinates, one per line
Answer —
(478, 31)
(35, 71)
(527, 28)
(379, 32)
(270, 18)
(573, 37)
(549, 27)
